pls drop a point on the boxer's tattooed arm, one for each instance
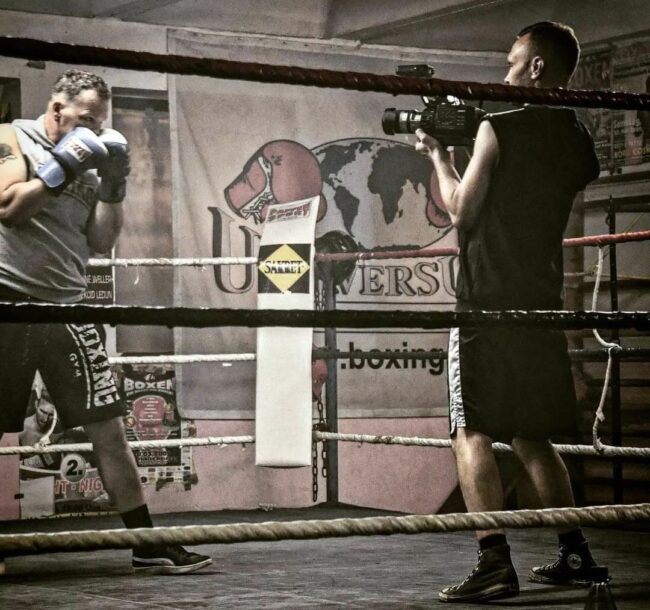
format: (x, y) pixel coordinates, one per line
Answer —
(6, 154)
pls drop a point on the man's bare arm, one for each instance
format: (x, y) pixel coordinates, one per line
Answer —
(104, 226)
(463, 198)
(20, 198)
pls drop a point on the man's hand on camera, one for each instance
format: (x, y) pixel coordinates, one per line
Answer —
(429, 146)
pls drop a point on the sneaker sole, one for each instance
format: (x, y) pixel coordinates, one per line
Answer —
(572, 582)
(497, 592)
(171, 569)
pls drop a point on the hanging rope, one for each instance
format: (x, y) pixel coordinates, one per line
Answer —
(611, 348)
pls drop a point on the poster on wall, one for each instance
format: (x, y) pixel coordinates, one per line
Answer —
(595, 72)
(631, 72)
(63, 484)
(56, 484)
(272, 144)
(621, 137)
(152, 414)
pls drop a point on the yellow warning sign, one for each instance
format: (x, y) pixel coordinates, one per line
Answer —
(283, 267)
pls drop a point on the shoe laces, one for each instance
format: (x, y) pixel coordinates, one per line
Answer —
(559, 561)
(470, 575)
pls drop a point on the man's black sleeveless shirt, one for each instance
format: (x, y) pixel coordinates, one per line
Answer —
(511, 258)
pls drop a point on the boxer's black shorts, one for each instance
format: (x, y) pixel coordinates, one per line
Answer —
(73, 363)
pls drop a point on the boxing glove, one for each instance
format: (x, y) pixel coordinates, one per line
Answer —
(113, 169)
(335, 242)
(78, 151)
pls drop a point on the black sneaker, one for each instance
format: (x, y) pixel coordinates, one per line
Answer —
(172, 559)
(572, 567)
(494, 577)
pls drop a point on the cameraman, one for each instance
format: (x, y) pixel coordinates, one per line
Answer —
(515, 386)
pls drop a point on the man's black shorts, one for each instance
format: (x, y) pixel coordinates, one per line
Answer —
(73, 363)
(511, 382)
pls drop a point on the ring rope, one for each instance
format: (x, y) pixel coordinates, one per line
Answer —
(38, 50)
(220, 441)
(200, 317)
(303, 530)
(318, 436)
(580, 354)
(444, 443)
(589, 240)
(606, 239)
(641, 353)
(172, 262)
(627, 229)
(181, 358)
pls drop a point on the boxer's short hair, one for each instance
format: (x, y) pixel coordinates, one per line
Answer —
(72, 82)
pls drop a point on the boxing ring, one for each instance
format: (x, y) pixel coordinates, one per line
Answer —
(265, 534)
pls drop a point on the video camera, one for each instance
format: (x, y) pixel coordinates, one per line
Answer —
(448, 120)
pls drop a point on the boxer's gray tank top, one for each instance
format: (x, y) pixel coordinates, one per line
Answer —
(45, 257)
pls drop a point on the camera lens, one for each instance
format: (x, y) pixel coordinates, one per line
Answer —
(389, 121)
(400, 121)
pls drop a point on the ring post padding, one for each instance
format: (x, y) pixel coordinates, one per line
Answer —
(283, 413)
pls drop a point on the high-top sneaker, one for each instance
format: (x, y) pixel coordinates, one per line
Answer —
(494, 577)
(573, 566)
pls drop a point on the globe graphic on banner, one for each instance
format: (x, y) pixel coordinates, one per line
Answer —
(380, 192)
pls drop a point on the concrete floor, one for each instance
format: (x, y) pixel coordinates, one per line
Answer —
(360, 572)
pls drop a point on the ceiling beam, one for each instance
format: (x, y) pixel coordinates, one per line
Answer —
(133, 8)
(350, 18)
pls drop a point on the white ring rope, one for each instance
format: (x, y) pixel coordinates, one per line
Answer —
(610, 347)
(302, 530)
(220, 441)
(192, 358)
(443, 443)
(409, 441)
(172, 262)
(181, 359)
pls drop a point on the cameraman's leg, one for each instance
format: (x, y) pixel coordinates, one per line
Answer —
(478, 474)
(547, 471)
(474, 402)
(548, 410)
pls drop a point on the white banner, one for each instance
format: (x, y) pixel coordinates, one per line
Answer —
(240, 147)
(283, 417)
